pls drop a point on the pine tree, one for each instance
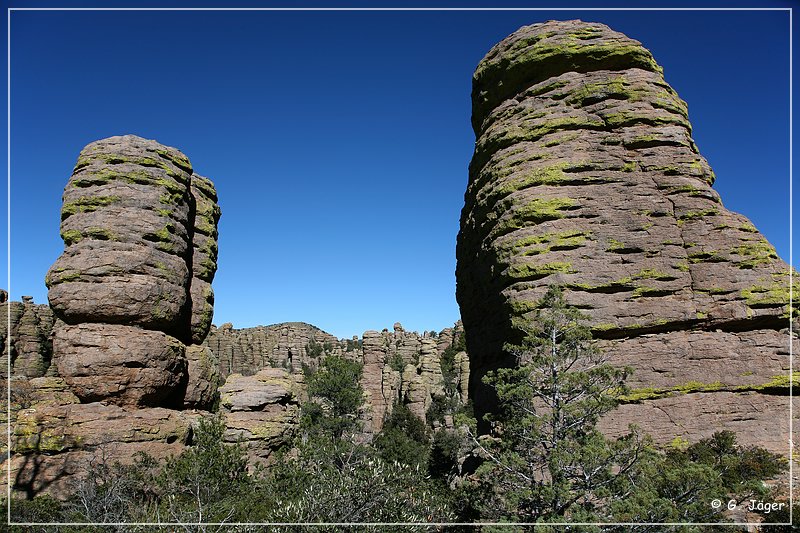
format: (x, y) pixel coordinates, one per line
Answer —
(545, 459)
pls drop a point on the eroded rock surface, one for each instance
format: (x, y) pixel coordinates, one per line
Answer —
(132, 302)
(399, 366)
(263, 410)
(585, 175)
(133, 285)
(29, 344)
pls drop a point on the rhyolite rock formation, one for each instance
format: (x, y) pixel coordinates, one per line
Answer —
(132, 301)
(289, 345)
(585, 175)
(133, 286)
(399, 365)
(28, 343)
(261, 410)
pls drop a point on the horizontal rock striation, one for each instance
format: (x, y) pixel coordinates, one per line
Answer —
(131, 304)
(262, 410)
(28, 342)
(288, 345)
(585, 175)
(399, 366)
(133, 286)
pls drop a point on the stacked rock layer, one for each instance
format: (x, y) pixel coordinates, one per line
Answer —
(585, 175)
(132, 287)
(132, 302)
(399, 366)
(28, 343)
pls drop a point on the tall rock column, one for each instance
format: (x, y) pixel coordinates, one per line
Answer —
(133, 284)
(585, 175)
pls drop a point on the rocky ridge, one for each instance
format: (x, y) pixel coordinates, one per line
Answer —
(585, 175)
(399, 367)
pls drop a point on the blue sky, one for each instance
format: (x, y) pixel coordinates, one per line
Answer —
(339, 141)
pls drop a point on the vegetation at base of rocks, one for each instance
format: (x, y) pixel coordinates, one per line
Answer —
(403, 438)
(544, 460)
(335, 397)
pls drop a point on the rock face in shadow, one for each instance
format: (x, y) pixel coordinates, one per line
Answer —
(585, 175)
(133, 286)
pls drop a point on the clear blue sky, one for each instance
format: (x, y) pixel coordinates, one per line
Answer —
(339, 141)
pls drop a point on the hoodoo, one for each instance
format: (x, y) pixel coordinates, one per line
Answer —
(585, 175)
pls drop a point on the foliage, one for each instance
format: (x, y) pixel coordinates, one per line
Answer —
(679, 484)
(314, 349)
(545, 461)
(194, 482)
(403, 438)
(336, 397)
(444, 454)
(43, 508)
(338, 481)
(397, 363)
(545, 458)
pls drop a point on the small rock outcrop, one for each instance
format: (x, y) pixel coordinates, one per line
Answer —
(29, 343)
(399, 367)
(585, 175)
(263, 410)
(132, 287)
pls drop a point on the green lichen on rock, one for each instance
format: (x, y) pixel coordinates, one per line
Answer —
(100, 234)
(651, 393)
(624, 119)
(694, 215)
(774, 293)
(528, 271)
(118, 159)
(748, 228)
(705, 256)
(177, 159)
(755, 253)
(86, 204)
(71, 236)
(32, 436)
(66, 277)
(540, 210)
(561, 139)
(540, 244)
(514, 133)
(536, 211)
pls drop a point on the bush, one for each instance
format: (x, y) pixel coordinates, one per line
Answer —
(336, 397)
(403, 438)
(444, 454)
